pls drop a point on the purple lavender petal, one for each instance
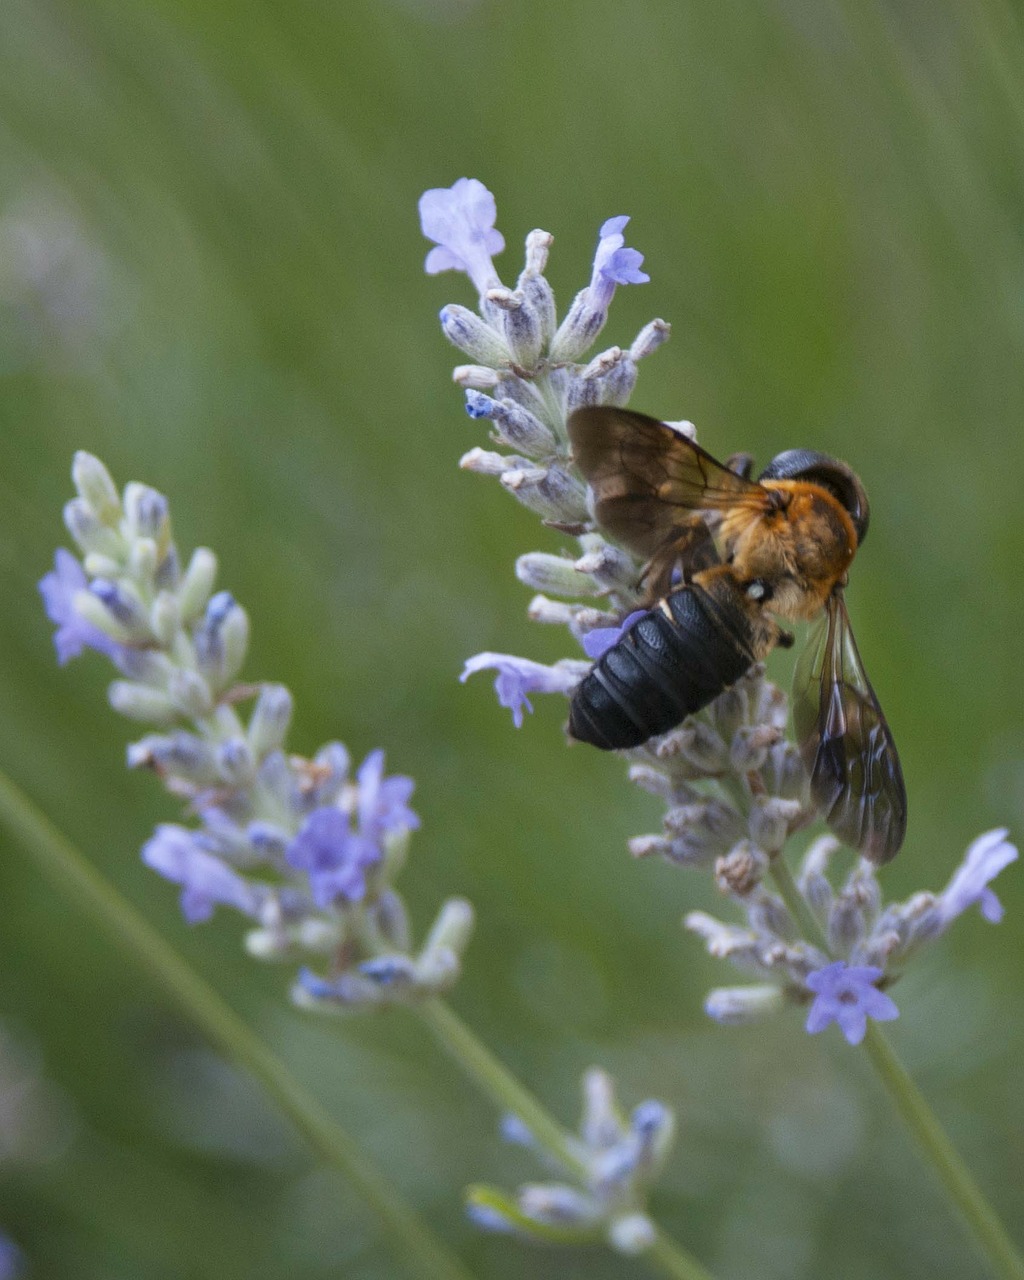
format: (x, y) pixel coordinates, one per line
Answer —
(614, 264)
(205, 880)
(73, 634)
(847, 995)
(596, 643)
(985, 858)
(335, 858)
(382, 801)
(517, 677)
(461, 220)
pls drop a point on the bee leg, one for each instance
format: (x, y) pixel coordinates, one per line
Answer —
(741, 464)
(786, 639)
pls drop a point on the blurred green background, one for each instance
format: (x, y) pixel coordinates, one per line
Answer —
(211, 275)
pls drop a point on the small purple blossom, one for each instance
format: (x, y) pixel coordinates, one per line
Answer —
(383, 801)
(597, 642)
(985, 858)
(205, 880)
(58, 589)
(614, 264)
(517, 677)
(334, 856)
(847, 995)
(10, 1259)
(461, 220)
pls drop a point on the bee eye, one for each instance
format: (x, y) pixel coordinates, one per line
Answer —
(759, 590)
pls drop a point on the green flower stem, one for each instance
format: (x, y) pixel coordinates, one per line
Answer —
(504, 1090)
(73, 876)
(960, 1187)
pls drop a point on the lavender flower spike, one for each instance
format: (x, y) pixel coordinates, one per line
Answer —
(461, 220)
(519, 676)
(847, 995)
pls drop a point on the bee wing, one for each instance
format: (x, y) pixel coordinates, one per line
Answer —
(846, 743)
(647, 478)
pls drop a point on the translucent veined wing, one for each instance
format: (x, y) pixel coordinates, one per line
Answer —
(845, 741)
(647, 479)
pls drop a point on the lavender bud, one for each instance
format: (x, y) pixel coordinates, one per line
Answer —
(116, 609)
(437, 970)
(235, 762)
(612, 568)
(653, 1126)
(768, 915)
(475, 375)
(270, 719)
(146, 513)
(702, 746)
(140, 702)
(487, 463)
(488, 1216)
(557, 1204)
(631, 1234)
(538, 246)
(522, 325)
(453, 927)
(620, 383)
(750, 746)
(541, 609)
(601, 1126)
(649, 846)
(515, 425)
(395, 971)
(143, 558)
(465, 329)
(539, 296)
(323, 936)
(268, 944)
(90, 533)
(190, 694)
(164, 618)
(549, 491)
(741, 870)
(392, 920)
(845, 924)
(197, 584)
(179, 755)
(95, 487)
(563, 577)
(221, 640)
(769, 821)
(650, 338)
(737, 1006)
(579, 328)
(784, 774)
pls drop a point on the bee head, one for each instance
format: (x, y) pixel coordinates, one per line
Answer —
(836, 477)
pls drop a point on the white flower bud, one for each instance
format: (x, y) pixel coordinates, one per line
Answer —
(95, 487)
(140, 702)
(467, 331)
(631, 1234)
(737, 1006)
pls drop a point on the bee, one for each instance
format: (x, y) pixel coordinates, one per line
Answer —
(726, 555)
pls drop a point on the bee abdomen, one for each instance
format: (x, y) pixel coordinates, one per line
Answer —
(661, 671)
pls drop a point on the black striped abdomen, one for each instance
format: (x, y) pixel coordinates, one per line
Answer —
(661, 671)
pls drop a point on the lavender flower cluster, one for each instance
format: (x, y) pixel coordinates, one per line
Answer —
(306, 849)
(733, 784)
(614, 1163)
